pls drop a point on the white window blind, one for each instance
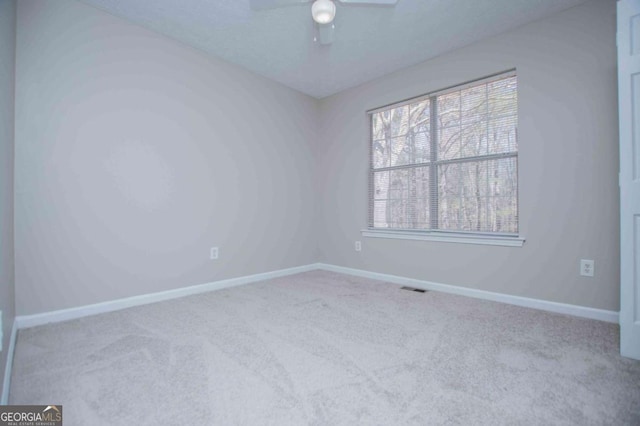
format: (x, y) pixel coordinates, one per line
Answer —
(448, 161)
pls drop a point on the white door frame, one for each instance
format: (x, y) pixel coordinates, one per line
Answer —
(629, 111)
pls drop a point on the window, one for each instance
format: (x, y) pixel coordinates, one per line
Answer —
(447, 162)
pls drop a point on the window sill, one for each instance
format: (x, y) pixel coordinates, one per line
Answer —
(444, 237)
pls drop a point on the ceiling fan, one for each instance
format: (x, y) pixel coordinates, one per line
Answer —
(322, 11)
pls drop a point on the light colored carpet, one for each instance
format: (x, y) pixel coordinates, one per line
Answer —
(321, 348)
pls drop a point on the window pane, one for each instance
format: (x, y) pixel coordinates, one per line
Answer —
(419, 217)
(381, 185)
(401, 198)
(391, 123)
(473, 193)
(449, 143)
(478, 196)
(503, 99)
(473, 139)
(449, 110)
(380, 214)
(410, 149)
(503, 116)
(380, 199)
(401, 136)
(399, 123)
(381, 153)
(502, 135)
(479, 120)
(391, 199)
(398, 185)
(398, 151)
(398, 199)
(377, 126)
(473, 104)
(420, 116)
(460, 193)
(421, 144)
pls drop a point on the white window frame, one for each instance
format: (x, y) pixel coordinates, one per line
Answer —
(465, 237)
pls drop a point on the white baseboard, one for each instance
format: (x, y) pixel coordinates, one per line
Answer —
(7, 368)
(26, 321)
(544, 305)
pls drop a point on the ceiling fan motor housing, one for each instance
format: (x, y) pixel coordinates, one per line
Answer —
(323, 11)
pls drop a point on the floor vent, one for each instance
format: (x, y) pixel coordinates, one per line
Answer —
(419, 290)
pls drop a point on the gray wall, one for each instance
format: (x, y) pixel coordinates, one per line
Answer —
(135, 154)
(7, 65)
(568, 165)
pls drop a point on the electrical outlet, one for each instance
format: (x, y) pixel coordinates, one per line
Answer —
(587, 267)
(214, 253)
(358, 246)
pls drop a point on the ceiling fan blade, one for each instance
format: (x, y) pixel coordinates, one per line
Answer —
(371, 2)
(274, 4)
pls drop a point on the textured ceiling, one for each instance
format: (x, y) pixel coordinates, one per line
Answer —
(369, 41)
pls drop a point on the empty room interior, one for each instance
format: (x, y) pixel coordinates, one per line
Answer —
(268, 212)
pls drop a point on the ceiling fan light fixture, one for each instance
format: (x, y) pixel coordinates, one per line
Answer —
(323, 11)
